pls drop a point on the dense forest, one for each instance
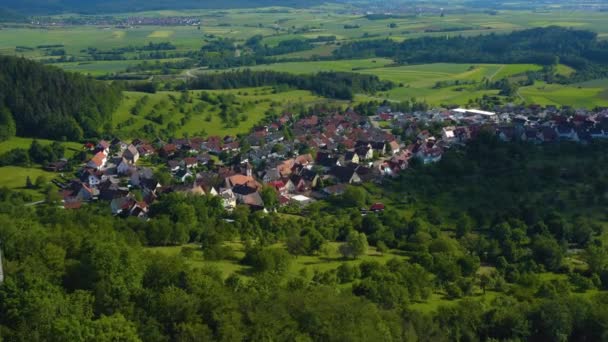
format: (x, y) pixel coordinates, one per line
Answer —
(85, 275)
(339, 85)
(48, 102)
(546, 46)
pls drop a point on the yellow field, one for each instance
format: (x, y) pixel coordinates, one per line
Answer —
(119, 34)
(161, 34)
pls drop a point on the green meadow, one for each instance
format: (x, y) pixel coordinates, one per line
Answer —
(98, 68)
(556, 94)
(14, 177)
(418, 81)
(24, 143)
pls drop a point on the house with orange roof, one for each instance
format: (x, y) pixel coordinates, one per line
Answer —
(98, 161)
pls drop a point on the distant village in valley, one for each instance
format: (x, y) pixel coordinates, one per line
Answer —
(304, 159)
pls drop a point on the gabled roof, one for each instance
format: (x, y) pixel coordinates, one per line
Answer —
(131, 152)
(253, 200)
(238, 179)
(98, 159)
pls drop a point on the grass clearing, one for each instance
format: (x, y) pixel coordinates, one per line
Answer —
(24, 143)
(14, 177)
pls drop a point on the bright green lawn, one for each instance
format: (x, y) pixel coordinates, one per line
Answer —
(24, 143)
(514, 69)
(14, 177)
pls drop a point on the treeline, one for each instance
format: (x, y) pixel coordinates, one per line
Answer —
(226, 53)
(339, 85)
(50, 103)
(576, 48)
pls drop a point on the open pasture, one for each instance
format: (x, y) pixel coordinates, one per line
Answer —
(13, 177)
(97, 68)
(556, 94)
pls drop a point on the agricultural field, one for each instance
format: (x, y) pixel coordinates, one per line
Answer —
(419, 81)
(279, 24)
(99, 68)
(77, 38)
(588, 96)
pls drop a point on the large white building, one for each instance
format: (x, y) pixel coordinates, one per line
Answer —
(465, 111)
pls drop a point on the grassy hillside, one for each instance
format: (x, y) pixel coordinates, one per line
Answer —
(577, 96)
(254, 101)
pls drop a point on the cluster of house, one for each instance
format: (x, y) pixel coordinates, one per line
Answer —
(302, 158)
(534, 124)
(117, 21)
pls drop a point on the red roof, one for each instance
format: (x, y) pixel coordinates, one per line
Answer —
(377, 206)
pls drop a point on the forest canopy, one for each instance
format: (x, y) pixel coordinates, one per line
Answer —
(47, 102)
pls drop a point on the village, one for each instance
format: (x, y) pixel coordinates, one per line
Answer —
(304, 159)
(110, 21)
